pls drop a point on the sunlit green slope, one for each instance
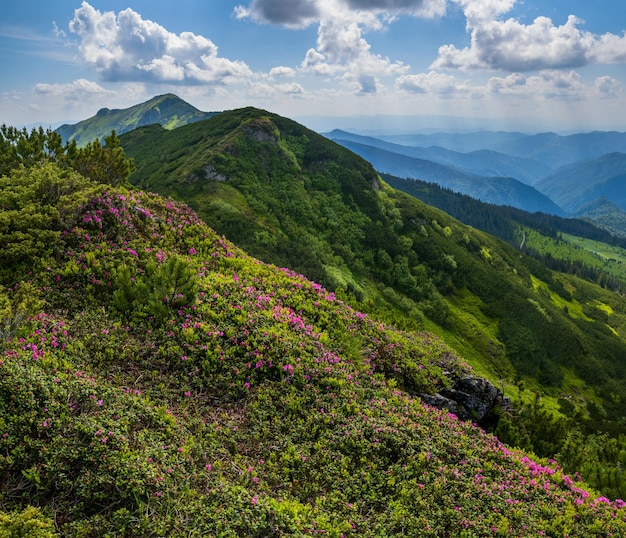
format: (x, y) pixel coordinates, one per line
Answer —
(167, 110)
(294, 198)
(157, 381)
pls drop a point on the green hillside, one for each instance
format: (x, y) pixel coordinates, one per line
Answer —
(572, 245)
(157, 381)
(293, 198)
(605, 214)
(167, 110)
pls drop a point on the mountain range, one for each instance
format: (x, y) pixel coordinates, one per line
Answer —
(494, 190)
(158, 380)
(551, 149)
(480, 162)
(562, 174)
(294, 198)
(529, 172)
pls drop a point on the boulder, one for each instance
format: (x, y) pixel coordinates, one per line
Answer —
(470, 398)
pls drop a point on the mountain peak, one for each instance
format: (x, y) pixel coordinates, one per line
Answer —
(168, 110)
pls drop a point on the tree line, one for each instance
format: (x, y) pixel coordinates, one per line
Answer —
(102, 162)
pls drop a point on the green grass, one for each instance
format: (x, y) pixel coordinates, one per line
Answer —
(610, 259)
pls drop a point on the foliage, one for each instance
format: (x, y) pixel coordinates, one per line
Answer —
(29, 523)
(537, 234)
(103, 163)
(259, 405)
(291, 197)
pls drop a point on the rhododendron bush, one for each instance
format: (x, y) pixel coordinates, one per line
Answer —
(157, 381)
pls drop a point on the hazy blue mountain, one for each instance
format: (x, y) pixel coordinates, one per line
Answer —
(551, 149)
(463, 142)
(168, 110)
(480, 162)
(494, 190)
(580, 183)
(556, 150)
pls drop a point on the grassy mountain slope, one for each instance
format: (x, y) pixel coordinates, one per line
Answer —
(167, 110)
(478, 162)
(155, 381)
(495, 190)
(294, 198)
(575, 246)
(583, 182)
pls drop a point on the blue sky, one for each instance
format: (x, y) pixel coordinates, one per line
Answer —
(532, 65)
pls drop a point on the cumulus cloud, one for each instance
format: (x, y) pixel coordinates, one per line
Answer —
(78, 90)
(292, 88)
(341, 50)
(125, 47)
(509, 45)
(435, 83)
(555, 84)
(264, 90)
(608, 87)
(282, 71)
(548, 85)
(302, 13)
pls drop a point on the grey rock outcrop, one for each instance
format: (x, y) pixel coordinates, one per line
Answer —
(470, 398)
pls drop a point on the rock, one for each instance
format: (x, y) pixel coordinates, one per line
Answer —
(440, 402)
(470, 398)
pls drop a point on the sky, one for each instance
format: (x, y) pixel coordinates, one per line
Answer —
(368, 65)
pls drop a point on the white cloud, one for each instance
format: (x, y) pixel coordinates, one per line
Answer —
(302, 13)
(125, 47)
(292, 88)
(78, 90)
(608, 87)
(282, 71)
(548, 85)
(435, 83)
(555, 85)
(510, 45)
(342, 50)
(269, 92)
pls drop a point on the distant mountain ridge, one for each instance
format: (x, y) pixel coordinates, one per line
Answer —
(167, 110)
(567, 173)
(557, 150)
(494, 190)
(583, 182)
(482, 162)
(551, 149)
